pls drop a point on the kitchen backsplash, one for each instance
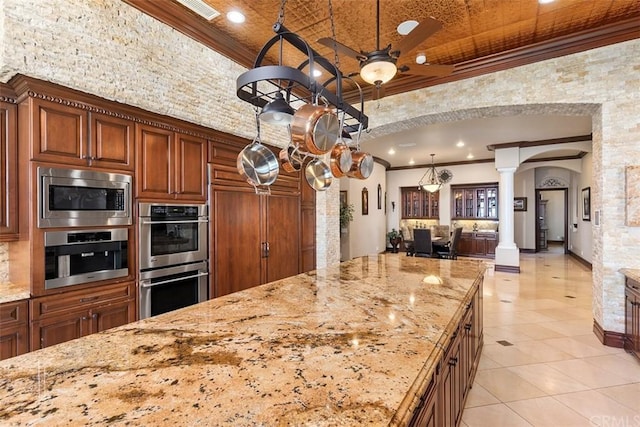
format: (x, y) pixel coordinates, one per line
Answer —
(4, 262)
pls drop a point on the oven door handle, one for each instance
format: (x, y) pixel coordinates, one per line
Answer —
(145, 284)
(188, 221)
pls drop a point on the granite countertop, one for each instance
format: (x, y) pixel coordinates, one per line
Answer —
(350, 344)
(631, 273)
(10, 292)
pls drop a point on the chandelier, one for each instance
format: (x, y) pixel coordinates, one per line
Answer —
(432, 180)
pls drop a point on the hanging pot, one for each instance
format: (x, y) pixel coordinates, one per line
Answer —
(318, 175)
(362, 165)
(315, 129)
(341, 159)
(258, 165)
(290, 159)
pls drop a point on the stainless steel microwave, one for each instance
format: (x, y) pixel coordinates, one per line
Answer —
(82, 198)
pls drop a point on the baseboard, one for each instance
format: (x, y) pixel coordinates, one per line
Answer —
(507, 268)
(608, 338)
(527, 251)
(581, 260)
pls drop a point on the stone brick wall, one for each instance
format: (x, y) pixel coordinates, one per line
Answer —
(109, 49)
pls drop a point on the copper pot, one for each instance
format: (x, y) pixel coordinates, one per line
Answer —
(362, 165)
(290, 159)
(318, 175)
(315, 129)
(341, 159)
(258, 165)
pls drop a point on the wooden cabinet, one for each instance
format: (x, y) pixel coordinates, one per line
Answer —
(66, 316)
(256, 238)
(8, 166)
(478, 244)
(418, 203)
(170, 165)
(71, 135)
(14, 329)
(632, 317)
(446, 392)
(475, 201)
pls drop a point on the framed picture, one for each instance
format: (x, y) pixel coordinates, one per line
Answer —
(365, 201)
(586, 204)
(520, 204)
(379, 196)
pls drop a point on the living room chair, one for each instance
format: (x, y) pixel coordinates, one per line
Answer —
(450, 250)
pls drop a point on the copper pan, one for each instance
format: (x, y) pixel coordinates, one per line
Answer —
(315, 129)
(362, 165)
(318, 175)
(341, 159)
(290, 159)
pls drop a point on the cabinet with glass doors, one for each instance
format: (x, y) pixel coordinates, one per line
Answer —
(475, 201)
(418, 203)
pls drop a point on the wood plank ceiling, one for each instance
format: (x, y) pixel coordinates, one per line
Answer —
(478, 36)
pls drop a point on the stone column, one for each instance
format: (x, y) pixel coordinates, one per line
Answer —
(507, 252)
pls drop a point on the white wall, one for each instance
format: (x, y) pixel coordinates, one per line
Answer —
(367, 234)
(554, 214)
(524, 233)
(581, 243)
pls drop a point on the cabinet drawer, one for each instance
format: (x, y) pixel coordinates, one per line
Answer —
(87, 298)
(13, 313)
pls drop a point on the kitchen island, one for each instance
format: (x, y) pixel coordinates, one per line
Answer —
(363, 342)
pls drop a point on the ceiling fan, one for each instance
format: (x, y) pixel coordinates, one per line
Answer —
(379, 66)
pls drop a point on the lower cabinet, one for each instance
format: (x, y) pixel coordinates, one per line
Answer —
(478, 244)
(632, 315)
(443, 401)
(66, 316)
(14, 329)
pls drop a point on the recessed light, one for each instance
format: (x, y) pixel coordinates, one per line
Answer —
(316, 73)
(392, 151)
(470, 156)
(406, 27)
(460, 144)
(235, 17)
(407, 144)
(421, 58)
(411, 162)
(545, 1)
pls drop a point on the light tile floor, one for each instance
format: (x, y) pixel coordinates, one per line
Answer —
(556, 373)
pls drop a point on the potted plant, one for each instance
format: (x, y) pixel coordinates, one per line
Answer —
(346, 216)
(395, 238)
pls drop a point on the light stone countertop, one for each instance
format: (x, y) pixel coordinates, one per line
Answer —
(350, 344)
(10, 292)
(631, 273)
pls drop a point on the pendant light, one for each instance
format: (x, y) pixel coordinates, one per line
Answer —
(430, 180)
(277, 112)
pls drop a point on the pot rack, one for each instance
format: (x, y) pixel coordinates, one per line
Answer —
(262, 83)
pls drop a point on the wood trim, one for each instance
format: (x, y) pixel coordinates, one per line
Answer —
(553, 141)
(608, 338)
(581, 260)
(527, 251)
(507, 268)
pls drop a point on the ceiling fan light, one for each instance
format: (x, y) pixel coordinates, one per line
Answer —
(378, 70)
(421, 58)
(277, 112)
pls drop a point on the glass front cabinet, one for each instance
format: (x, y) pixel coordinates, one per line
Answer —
(475, 201)
(419, 204)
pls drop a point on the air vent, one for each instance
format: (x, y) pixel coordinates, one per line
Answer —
(201, 8)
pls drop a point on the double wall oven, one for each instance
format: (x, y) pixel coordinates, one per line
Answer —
(173, 253)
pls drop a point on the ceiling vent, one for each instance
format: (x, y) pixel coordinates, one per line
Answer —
(201, 8)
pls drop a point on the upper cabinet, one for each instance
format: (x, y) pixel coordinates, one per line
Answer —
(8, 166)
(171, 165)
(475, 201)
(73, 136)
(419, 204)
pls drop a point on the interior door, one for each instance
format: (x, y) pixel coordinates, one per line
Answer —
(283, 236)
(235, 236)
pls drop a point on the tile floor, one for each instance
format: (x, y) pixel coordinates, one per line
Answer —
(555, 372)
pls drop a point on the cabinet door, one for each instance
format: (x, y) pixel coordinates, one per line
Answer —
(58, 329)
(481, 203)
(154, 159)
(8, 175)
(469, 204)
(111, 144)
(59, 133)
(191, 172)
(235, 229)
(14, 329)
(434, 203)
(492, 202)
(465, 247)
(458, 204)
(283, 225)
(110, 316)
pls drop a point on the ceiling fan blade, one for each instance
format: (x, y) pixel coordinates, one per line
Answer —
(429, 70)
(425, 29)
(345, 50)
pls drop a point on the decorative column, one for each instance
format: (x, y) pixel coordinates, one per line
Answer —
(507, 252)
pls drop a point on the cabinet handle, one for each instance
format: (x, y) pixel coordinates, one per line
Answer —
(467, 326)
(267, 249)
(453, 361)
(87, 299)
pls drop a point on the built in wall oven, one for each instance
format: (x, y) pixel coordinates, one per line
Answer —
(172, 234)
(83, 256)
(83, 198)
(167, 289)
